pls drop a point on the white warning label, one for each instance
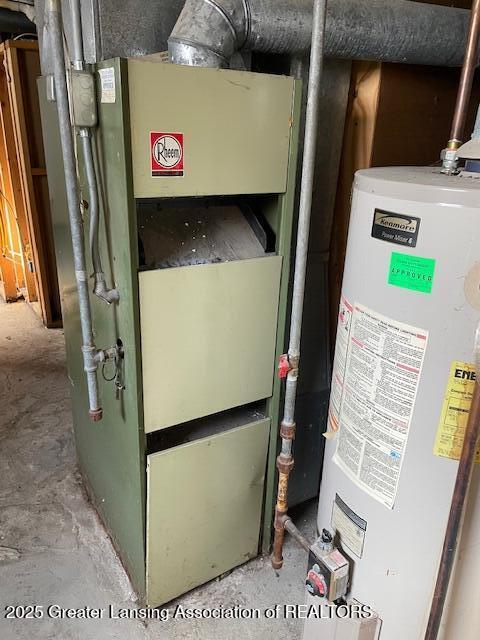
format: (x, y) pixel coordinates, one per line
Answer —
(351, 529)
(107, 85)
(383, 367)
(339, 362)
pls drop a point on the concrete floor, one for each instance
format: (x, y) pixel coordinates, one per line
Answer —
(53, 549)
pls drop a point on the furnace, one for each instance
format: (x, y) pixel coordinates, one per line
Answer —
(196, 171)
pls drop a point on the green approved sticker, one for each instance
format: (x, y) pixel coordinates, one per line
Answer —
(411, 272)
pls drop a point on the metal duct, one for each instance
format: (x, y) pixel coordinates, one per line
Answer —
(15, 22)
(208, 32)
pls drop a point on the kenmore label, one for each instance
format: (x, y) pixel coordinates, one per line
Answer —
(395, 227)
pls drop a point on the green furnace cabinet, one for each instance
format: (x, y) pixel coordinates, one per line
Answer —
(197, 172)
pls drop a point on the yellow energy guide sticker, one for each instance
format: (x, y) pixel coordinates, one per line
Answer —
(455, 410)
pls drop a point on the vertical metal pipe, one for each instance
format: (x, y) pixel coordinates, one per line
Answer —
(93, 203)
(287, 428)
(457, 510)
(54, 22)
(100, 288)
(77, 38)
(466, 80)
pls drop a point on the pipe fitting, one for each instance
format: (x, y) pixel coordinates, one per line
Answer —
(208, 32)
(109, 354)
(287, 431)
(294, 361)
(101, 290)
(52, 6)
(449, 157)
(89, 359)
(285, 465)
(281, 518)
(95, 415)
(454, 144)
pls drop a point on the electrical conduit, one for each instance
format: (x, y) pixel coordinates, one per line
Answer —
(100, 288)
(55, 26)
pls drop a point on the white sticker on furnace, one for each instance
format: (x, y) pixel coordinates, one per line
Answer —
(383, 367)
(107, 85)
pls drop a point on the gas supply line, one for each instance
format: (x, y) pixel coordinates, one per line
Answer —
(289, 364)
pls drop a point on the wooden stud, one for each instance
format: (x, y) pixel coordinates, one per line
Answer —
(23, 67)
(12, 187)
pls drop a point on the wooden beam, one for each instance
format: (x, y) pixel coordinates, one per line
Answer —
(12, 185)
(26, 45)
(7, 268)
(38, 171)
(24, 68)
(22, 145)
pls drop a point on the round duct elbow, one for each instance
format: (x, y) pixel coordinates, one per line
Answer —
(208, 32)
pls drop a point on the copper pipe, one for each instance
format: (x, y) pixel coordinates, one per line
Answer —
(466, 80)
(277, 557)
(457, 512)
(284, 466)
(283, 523)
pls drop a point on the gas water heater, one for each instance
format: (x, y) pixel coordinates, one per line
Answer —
(196, 169)
(402, 384)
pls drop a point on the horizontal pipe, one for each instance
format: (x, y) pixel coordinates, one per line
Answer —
(297, 535)
(208, 32)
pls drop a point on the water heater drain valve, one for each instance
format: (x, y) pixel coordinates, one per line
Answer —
(328, 569)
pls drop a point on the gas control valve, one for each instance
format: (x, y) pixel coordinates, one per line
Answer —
(328, 570)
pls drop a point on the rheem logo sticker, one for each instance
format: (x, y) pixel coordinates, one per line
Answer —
(166, 154)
